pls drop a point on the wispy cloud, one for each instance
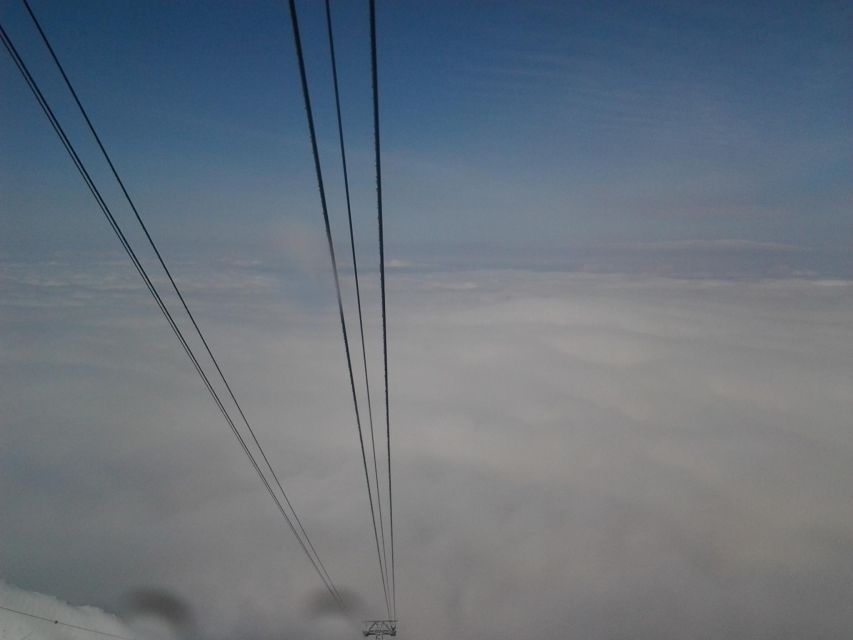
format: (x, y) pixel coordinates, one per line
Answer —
(720, 244)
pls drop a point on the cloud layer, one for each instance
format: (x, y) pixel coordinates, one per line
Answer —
(16, 626)
(575, 455)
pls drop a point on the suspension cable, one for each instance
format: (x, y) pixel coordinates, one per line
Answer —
(69, 147)
(313, 136)
(171, 279)
(355, 277)
(376, 146)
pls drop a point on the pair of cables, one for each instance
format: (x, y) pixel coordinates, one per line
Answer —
(256, 454)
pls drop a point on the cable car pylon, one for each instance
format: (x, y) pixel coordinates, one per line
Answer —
(379, 628)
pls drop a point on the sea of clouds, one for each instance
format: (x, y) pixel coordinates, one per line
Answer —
(575, 455)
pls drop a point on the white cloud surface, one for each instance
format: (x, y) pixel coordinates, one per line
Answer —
(575, 455)
(60, 618)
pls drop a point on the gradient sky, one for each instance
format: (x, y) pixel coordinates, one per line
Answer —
(523, 126)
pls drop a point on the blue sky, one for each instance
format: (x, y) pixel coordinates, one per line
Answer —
(525, 127)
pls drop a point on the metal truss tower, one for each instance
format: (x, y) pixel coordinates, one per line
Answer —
(380, 628)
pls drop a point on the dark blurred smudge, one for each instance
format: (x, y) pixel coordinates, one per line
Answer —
(321, 603)
(168, 607)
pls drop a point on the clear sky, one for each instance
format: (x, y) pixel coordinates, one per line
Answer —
(528, 127)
